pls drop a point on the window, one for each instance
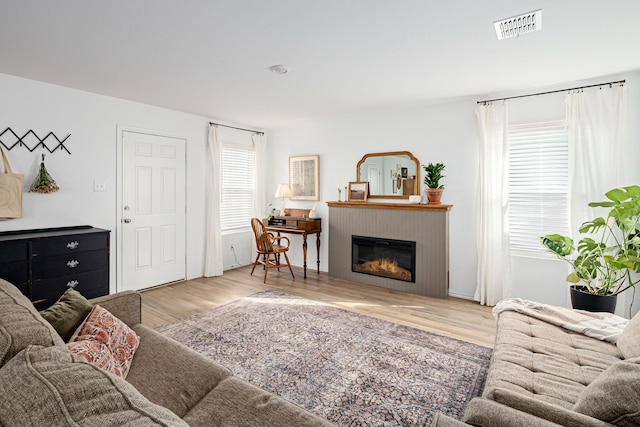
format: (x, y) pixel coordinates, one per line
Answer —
(538, 175)
(238, 170)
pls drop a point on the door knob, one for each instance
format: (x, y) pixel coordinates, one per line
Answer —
(126, 220)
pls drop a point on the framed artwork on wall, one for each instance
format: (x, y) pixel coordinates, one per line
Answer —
(358, 191)
(304, 177)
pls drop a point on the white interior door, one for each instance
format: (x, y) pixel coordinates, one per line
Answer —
(153, 210)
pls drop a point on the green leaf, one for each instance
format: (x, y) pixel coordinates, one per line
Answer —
(602, 204)
(619, 263)
(559, 245)
(593, 225)
(587, 244)
(617, 195)
(573, 278)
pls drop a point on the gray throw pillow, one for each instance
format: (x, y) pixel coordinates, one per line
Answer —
(20, 324)
(629, 340)
(66, 314)
(614, 396)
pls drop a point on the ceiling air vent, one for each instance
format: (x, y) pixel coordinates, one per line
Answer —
(521, 24)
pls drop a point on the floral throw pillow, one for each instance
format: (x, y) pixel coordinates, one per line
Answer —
(106, 342)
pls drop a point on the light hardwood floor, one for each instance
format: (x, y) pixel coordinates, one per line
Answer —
(453, 317)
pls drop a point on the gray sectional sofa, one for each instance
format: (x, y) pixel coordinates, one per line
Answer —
(544, 375)
(42, 383)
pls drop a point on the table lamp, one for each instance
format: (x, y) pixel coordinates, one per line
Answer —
(282, 192)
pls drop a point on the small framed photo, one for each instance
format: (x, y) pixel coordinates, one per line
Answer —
(405, 172)
(358, 191)
(304, 177)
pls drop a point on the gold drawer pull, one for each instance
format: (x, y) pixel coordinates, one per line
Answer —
(73, 263)
(72, 284)
(73, 245)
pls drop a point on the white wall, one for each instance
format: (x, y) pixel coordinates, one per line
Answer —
(439, 133)
(92, 120)
(443, 133)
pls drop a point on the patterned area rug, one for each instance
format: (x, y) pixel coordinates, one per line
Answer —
(351, 369)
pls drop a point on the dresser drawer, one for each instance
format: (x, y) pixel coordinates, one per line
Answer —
(69, 244)
(10, 252)
(63, 265)
(91, 284)
(17, 273)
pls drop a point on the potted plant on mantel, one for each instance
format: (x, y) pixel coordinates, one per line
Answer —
(433, 175)
(607, 258)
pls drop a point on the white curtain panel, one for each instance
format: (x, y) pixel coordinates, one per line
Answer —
(260, 153)
(596, 124)
(260, 209)
(494, 258)
(213, 265)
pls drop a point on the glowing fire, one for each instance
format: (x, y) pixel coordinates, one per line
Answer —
(384, 267)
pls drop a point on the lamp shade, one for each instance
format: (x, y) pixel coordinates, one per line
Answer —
(283, 191)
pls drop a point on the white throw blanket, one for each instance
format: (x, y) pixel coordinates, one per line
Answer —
(601, 326)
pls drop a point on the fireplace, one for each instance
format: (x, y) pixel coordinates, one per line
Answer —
(393, 259)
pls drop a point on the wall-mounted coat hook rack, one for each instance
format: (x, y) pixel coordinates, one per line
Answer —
(20, 141)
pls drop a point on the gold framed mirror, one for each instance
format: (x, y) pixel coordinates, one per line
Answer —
(391, 175)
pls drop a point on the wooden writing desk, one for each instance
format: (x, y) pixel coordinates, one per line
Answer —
(302, 226)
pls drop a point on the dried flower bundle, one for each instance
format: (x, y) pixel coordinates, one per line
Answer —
(43, 182)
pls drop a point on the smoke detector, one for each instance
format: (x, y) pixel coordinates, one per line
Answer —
(521, 24)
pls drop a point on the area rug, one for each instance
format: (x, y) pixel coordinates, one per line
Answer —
(352, 369)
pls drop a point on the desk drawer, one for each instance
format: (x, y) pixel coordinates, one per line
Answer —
(91, 284)
(69, 244)
(64, 265)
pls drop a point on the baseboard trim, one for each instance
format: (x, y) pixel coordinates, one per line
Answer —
(461, 296)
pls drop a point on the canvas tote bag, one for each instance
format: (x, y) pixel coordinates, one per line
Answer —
(11, 185)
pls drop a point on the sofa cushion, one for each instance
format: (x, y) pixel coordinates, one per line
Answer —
(488, 413)
(21, 324)
(105, 341)
(66, 314)
(615, 395)
(629, 339)
(536, 408)
(50, 386)
(170, 374)
(540, 360)
(235, 402)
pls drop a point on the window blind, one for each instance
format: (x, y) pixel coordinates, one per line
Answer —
(237, 196)
(538, 185)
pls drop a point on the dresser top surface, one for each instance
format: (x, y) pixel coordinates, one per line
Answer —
(17, 235)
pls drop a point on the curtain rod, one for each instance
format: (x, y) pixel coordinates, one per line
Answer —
(233, 127)
(552, 91)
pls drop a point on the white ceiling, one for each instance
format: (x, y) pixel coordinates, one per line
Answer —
(211, 57)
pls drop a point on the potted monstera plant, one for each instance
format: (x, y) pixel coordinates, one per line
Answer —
(432, 177)
(606, 260)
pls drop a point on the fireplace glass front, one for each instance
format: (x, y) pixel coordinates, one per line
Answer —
(394, 259)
